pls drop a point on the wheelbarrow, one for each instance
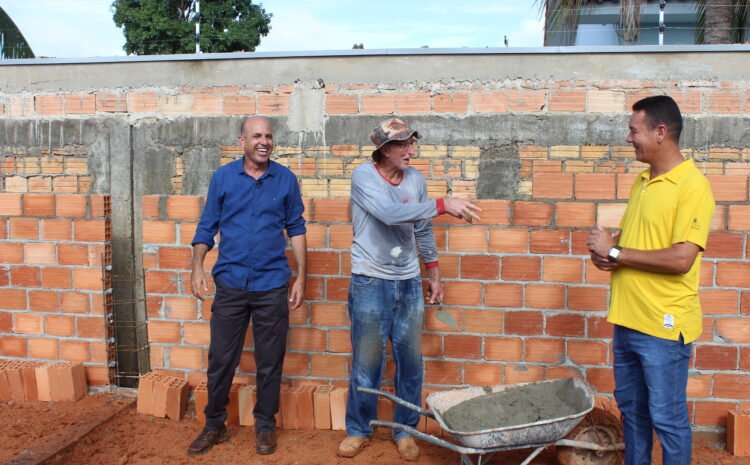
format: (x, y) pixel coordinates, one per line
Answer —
(587, 437)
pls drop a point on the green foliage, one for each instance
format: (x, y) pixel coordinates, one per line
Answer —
(14, 44)
(157, 27)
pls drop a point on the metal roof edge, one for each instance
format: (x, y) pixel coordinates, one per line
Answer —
(607, 49)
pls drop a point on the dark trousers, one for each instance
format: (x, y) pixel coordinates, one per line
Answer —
(230, 316)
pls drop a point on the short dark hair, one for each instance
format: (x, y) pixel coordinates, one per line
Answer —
(661, 109)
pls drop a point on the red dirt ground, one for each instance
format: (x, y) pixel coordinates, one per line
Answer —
(133, 439)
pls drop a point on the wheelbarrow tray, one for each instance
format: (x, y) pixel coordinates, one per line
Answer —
(541, 432)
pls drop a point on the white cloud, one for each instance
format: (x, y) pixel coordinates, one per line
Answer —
(529, 34)
(297, 30)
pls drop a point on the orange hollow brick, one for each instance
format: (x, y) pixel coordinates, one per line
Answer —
(289, 410)
(385, 406)
(338, 408)
(246, 404)
(145, 392)
(177, 397)
(233, 407)
(13, 374)
(5, 390)
(322, 407)
(305, 408)
(67, 381)
(738, 433)
(159, 397)
(200, 395)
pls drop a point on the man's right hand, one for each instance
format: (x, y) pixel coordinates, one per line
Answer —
(461, 209)
(198, 282)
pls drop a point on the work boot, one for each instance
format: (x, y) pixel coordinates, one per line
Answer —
(265, 442)
(207, 439)
(408, 449)
(351, 446)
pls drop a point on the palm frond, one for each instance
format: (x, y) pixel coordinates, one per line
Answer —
(630, 18)
(700, 21)
(561, 18)
(740, 21)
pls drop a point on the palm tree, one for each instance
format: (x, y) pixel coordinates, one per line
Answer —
(718, 21)
(12, 43)
(722, 21)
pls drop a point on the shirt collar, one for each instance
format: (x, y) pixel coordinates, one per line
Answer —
(675, 174)
(239, 168)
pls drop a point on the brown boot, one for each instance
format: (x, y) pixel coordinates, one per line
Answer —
(207, 439)
(408, 449)
(351, 446)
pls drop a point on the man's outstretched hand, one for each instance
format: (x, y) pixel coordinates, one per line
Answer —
(462, 209)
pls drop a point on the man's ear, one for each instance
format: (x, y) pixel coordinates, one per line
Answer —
(661, 133)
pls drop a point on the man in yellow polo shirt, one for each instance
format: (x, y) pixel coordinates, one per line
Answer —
(655, 265)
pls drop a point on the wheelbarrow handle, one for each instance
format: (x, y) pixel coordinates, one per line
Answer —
(397, 400)
(427, 437)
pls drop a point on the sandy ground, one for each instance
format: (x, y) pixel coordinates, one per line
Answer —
(133, 439)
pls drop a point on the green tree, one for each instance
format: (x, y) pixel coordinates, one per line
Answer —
(157, 27)
(12, 43)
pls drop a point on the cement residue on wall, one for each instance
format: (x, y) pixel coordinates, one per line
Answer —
(307, 107)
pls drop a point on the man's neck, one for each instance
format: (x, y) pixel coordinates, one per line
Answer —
(664, 162)
(390, 172)
(254, 170)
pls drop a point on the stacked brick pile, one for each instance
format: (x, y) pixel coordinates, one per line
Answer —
(162, 396)
(29, 381)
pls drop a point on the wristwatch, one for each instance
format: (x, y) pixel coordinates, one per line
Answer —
(614, 253)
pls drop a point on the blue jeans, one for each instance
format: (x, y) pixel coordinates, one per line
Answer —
(382, 309)
(651, 391)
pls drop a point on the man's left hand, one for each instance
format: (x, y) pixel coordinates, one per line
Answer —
(600, 241)
(297, 294)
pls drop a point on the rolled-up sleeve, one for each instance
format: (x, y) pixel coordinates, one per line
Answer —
(295, 222)
(208, 225)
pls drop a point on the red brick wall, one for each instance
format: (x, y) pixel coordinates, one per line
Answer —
(52, 281)
(530, 304)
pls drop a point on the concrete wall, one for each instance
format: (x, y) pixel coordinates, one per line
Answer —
(538, 138)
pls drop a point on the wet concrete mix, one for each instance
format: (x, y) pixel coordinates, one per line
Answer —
(516, 405)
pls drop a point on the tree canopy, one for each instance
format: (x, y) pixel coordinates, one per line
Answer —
(157, 27)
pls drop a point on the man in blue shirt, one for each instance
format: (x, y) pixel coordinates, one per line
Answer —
(250, 202)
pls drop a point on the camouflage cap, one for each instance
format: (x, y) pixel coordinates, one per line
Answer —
(390, 130)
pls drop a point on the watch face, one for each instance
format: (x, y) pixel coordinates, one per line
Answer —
(614, 252)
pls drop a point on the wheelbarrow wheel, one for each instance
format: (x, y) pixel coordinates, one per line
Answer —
(599, 427)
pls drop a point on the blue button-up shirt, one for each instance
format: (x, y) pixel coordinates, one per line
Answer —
(251, 216)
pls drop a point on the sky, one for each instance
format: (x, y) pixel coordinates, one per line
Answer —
(84, 28)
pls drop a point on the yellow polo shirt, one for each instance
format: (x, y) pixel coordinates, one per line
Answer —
(674, 207)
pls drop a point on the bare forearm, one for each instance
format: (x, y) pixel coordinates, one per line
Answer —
(677, 259)
(433, 273)
(199, 255)
(299, 250)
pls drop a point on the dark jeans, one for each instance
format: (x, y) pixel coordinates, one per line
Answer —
(230, 316)
(651, 377)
